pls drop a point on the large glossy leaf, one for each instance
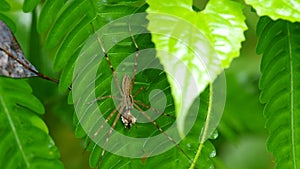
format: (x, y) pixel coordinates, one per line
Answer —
(25, 142)
(277, 9)
(279, 42)
(203, 43)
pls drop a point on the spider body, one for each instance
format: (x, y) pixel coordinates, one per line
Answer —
(127, 101)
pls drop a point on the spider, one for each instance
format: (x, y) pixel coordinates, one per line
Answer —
(127, 101)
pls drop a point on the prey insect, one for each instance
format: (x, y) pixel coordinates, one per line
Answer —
(127, 101)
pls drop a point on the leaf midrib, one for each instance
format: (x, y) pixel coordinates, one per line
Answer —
(292, 95)
(11, 123)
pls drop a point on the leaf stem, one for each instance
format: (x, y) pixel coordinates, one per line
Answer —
(205, 128)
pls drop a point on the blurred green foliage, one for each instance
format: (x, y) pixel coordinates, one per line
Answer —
(242, 135)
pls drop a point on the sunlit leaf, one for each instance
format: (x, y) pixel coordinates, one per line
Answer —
(277, 9)
(195, 47)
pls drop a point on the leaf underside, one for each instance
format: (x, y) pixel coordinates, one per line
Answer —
(203, 43)
(279, 42)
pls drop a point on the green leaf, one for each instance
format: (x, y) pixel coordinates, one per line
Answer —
(9, 22)
(4, 6)
(65, 22)
(29, 5)
(204, 43)
(277, 9)
(151, 79)
(48, 14)
(172, 158)
(25, 142)
(279, 42)
(70, 26)
(69, 43)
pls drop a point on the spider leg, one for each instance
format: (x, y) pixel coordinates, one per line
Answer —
(136, 54)
(146, 106)
(162, 131)
(104, 97)
(138, 102)
(107, 119)
(108, 136)
(101, 127)
(107, 59)
(138, 91)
